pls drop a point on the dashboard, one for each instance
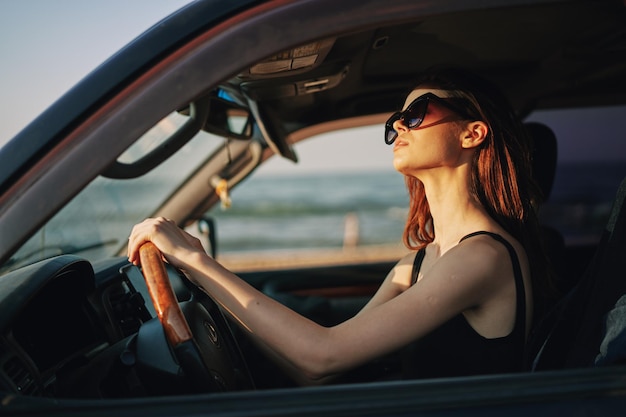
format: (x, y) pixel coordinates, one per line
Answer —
(73, 329)
(65, 325)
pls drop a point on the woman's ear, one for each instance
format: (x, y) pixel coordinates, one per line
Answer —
(474, 134)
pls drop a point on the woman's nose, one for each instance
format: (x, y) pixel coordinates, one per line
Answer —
(399, 126)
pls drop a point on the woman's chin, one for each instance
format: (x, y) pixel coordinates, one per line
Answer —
(400, 165)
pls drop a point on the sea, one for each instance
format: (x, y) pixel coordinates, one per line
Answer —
(322, 210)
(325, 210)
(307, 211)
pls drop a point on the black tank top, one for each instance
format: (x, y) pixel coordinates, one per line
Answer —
(456, 349)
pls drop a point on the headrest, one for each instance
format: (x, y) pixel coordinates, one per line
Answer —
(544, 156)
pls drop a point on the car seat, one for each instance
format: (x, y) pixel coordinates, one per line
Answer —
(544, 160)
(588, 326)
(544, 155)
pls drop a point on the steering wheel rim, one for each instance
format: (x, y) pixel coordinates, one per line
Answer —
(197, 359)
(170, 314)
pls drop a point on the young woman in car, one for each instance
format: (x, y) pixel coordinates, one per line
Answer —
(461, 303)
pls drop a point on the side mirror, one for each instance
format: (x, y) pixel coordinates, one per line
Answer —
(206, 227)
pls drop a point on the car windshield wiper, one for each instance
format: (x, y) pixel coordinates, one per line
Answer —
(58, 250)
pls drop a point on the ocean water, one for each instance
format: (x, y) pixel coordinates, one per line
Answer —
(304, 211)
(270, 213)
(313, 211)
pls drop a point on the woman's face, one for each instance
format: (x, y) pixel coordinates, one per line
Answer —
(434, 143)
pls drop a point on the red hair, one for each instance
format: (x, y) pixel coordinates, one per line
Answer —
(500, 178)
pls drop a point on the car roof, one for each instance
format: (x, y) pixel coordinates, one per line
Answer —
(544, 55)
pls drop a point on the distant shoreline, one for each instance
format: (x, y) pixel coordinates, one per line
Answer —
(310, 258)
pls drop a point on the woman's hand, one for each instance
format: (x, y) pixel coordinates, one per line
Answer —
(174, 243)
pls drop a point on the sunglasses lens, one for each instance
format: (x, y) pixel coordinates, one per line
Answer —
(390, 136)
(414, 115)
(390, 133)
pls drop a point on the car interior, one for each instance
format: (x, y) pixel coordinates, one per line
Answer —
(77, 328)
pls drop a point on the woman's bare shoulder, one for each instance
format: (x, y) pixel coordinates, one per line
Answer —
(402, 271)
(477, 258)
(483, 259)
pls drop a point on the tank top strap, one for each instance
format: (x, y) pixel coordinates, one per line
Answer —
(520, 293)
(417, 264)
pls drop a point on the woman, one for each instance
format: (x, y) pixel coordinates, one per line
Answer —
(462, 299)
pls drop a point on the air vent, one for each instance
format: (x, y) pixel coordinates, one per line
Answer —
(20, 375)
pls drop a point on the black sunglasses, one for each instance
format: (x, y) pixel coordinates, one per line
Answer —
(414, 114)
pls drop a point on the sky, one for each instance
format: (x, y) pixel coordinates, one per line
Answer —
(47, 46)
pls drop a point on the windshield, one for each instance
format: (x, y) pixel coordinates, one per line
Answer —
(96, 223)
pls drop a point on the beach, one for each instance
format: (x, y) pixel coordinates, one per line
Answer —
(310, 258)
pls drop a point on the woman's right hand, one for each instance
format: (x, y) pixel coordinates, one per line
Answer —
(175, 244)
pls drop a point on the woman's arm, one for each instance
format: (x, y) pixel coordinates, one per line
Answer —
(396, 282)
(449, 288)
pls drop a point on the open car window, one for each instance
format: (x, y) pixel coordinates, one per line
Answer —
(294, 212)
(288, 209)
(591, 163)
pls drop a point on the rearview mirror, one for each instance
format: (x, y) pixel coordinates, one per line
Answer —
(229, 119)
(212, 114)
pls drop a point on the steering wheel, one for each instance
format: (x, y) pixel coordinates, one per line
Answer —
(206, 351)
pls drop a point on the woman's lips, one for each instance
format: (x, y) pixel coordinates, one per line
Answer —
(399, 144)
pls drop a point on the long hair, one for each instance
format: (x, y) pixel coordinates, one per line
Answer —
(501, 177)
